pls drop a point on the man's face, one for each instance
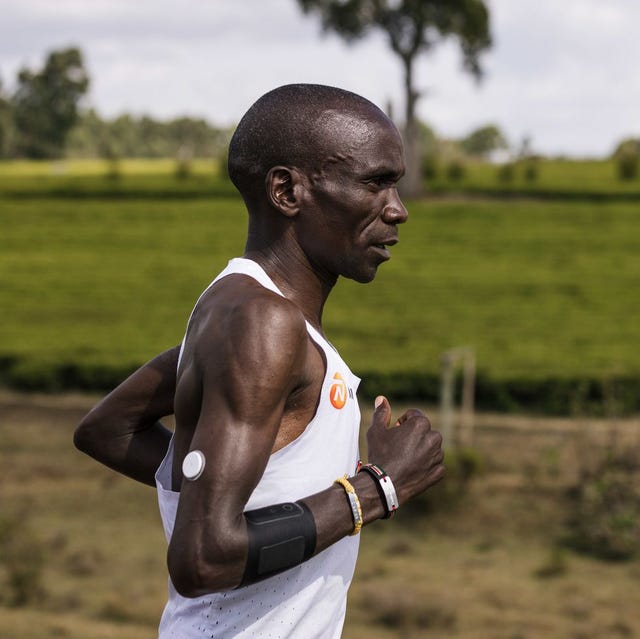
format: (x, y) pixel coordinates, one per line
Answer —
(355, 208)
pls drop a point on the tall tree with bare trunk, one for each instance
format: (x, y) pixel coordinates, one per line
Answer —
(412, 27)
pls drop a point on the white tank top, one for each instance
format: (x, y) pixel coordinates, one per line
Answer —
(308, 601)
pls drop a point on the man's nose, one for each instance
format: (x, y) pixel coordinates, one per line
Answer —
(395, 212)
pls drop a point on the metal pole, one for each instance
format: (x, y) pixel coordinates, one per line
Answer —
(446, 400)
(468, 396)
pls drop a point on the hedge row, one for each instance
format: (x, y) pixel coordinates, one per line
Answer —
(612, 396)
(134, 191)
(548, 396)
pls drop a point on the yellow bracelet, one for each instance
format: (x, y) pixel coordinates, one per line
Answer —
(354, 502)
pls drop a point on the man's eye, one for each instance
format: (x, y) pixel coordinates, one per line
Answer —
(381, 181)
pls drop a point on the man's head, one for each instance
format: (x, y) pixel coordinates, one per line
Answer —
(292, 126)
(326, 162)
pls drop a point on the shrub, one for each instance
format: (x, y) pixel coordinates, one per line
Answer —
(405, 612)
(531, 171)
(114, 170)
(456, 171)
(605, 521)
(429, 167)
(506, 173)
(627, 158)
(21, 560)
(118, 609)
(465, 464)
(627, 165)
(462, 466)
(183, 169)
(555, 565)
(222, 168)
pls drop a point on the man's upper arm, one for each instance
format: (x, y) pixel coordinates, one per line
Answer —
(247, 378)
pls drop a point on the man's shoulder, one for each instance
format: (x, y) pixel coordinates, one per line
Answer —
(239, 311)
(242, 298)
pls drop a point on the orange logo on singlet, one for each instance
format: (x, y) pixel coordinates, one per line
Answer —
(338, 392)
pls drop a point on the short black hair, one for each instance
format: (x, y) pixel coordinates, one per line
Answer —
(281, 128)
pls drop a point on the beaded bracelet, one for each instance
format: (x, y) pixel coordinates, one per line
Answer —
(385, 488)
(354, 502)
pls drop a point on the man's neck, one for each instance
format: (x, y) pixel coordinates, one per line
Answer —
(295, 276)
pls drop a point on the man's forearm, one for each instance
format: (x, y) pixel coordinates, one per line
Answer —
(135, 454)
(213, 550)
(123, 431)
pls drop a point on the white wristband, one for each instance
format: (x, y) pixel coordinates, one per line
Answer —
(386, 488)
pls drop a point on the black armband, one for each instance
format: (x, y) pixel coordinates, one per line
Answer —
(280, 537)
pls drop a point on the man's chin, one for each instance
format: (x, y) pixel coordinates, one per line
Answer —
(364, 276)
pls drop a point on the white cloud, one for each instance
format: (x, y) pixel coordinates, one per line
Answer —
(563, 72)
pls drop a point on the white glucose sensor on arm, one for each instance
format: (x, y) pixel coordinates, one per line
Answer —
(193, 465)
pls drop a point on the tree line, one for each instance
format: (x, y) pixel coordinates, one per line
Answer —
(144, 137)
(411, 27)
(43, 119)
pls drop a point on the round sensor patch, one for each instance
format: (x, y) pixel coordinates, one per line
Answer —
(193, 465)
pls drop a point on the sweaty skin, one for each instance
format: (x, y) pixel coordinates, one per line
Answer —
(122, 431)
(250, 376)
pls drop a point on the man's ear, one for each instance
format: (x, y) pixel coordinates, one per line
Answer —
(283, 187)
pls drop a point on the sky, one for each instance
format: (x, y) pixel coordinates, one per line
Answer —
(564, 73)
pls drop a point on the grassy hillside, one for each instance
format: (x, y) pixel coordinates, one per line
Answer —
(555, 179)
(534, 288)
(120, 179)
(563, 179)
(540, 290)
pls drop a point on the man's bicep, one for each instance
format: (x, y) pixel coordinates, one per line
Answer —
(246, 382)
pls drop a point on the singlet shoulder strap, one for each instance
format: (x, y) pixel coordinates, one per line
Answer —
(236, 266)
(243, 266)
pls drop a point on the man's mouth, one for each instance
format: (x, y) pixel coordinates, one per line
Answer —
(384, 246)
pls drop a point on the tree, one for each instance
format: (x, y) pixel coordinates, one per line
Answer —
(45, 104)
(5, 122)
(412, 27)
(484, 140)
(128, 136)
(627, 158)
(91, 137)
(628, 145)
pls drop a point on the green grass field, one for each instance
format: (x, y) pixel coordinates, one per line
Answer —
(566, 179)
(539, 289)
(126, 178)
(97, 276)
(561, 179)
(83, 168)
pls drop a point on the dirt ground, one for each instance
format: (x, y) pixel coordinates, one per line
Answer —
(485, 564)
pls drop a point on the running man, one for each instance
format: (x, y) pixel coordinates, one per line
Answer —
(260, 490)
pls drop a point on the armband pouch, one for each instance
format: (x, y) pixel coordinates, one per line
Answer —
(280, 537)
